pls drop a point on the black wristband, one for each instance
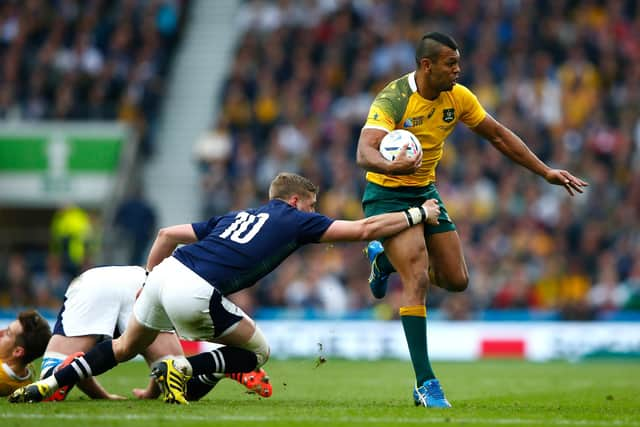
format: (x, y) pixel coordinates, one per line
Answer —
(423, 213)
(408, 215)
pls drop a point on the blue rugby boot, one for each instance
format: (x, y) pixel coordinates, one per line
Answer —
(430, 395)
(377, 279)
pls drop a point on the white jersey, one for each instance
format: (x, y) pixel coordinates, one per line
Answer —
(100, 301)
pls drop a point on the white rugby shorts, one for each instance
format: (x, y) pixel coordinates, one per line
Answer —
(99, 301)
(175, 296)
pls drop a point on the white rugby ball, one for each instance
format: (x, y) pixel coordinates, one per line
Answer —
(392, 144)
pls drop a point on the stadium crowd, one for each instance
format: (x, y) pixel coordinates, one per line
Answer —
(565, 75)
(86, 60)
(80, 60)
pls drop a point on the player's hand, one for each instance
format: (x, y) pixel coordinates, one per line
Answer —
(405, 165)
(572, 184)
(111, 396)
(145, 393)
(433, 210)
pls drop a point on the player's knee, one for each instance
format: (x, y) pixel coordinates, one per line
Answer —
(258, 344)
(50, 361)
(458, 283)
(263, 357)
(123, 352)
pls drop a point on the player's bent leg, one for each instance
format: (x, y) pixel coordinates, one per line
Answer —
(99, 360)
(245, 344)
(166, 345)
(257, 343)
(61, 393)
(199, 386)
(448, 269)
(379, 276)
(135, 339)
(256, 381)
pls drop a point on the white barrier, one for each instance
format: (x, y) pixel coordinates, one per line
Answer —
(538, 341)
(355, 339)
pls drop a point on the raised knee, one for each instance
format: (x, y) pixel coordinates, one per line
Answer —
(458, 284)
(258, 344)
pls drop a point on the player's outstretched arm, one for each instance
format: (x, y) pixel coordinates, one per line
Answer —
(167, 240)
(92, 388)
(509, 144)
(377, 226)
(369, 158)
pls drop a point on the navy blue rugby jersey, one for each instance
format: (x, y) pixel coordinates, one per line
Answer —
(235, 250)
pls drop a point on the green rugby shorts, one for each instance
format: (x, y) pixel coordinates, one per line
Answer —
(377, 200)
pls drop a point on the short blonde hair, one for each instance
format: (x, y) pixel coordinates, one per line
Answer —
(287, 184)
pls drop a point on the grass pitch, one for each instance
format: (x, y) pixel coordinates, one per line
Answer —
(348, 393)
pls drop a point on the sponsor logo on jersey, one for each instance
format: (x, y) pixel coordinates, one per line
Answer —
(448, 115)
(413, 122)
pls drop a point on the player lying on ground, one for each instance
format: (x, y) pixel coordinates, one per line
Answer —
(97, 306)
(222, 256)
(23, 341)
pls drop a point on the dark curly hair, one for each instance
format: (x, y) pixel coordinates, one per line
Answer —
(35, 335)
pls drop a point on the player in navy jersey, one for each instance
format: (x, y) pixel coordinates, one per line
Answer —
(187, 287)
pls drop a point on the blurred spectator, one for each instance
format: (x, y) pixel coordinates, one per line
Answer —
(16, 287)
(608, 293)
(516, 292)
(212, 152)
(317, 287)
(633, 285)
(50, 285)
(135, 220)
(71, 238)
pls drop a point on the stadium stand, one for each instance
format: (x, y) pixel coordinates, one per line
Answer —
(94, 60)
(563, 74)
(76, 61)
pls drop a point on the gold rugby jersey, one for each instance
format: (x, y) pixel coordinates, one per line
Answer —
(9, 381)
(400, 106)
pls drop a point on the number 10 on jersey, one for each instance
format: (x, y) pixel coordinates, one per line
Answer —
(245, 227)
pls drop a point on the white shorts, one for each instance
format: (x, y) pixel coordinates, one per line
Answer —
(99, 301)
(174, 296)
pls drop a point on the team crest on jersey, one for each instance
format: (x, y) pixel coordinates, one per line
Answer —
(448, 114)
(413, 122)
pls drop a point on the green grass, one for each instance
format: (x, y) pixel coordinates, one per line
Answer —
(347, 393)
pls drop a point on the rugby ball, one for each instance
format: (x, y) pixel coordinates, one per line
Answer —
(392, 144)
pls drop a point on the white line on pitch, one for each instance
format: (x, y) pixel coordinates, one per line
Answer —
(426, 420)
